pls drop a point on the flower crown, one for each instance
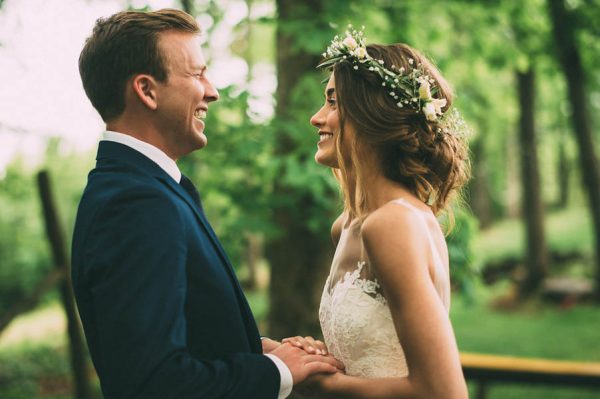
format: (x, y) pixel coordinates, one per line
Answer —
(410, 89)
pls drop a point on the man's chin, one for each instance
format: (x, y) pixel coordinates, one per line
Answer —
(201, 141)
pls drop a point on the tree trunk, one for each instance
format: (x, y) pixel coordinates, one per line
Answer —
(563, 173)
(512, 208)
(479, 189)
(56, 238)
(532, 208)
(299, 256)
(570, 59)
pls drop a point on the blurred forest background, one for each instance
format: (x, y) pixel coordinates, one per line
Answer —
(525, 252)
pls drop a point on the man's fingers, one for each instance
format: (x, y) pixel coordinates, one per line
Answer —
(339, 365)
(319, 358)
(320, 367)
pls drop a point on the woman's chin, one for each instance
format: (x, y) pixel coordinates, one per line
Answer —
(329, 160)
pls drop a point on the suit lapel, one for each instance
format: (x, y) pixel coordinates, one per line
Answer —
(245, 307)
(108, 150)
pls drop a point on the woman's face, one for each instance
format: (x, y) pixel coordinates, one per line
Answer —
(327, 120)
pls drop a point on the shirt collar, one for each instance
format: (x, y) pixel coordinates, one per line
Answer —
(150, 151)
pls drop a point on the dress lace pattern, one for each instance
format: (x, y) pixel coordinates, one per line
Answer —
(358, 328)
(355, 318)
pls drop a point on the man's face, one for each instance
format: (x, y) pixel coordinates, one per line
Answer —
(183, 98)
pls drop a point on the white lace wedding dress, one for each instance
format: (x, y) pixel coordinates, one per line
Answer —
(355, 318)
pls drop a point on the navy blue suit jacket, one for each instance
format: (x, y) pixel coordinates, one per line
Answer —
(163, 313)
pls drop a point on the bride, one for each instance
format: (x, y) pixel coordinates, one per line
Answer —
(399, 156)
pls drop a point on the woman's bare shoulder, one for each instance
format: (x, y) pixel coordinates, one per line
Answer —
(336, 228)
(394, 235)
(394, 221)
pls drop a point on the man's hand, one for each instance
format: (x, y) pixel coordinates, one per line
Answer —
(303, 364)
(268, 344)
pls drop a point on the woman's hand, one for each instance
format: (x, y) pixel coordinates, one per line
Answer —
(308, 344)
(319, 385)
(314, 347)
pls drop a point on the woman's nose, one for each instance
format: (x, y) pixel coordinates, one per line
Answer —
(317, 119)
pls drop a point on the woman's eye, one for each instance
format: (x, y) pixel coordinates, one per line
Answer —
(331, 101)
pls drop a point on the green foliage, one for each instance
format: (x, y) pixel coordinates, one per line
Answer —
(22, 368)
(23, 249)
(464, 269)
(567, 232)
(535, 332)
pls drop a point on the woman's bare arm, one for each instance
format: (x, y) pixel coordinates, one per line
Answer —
(398, 248)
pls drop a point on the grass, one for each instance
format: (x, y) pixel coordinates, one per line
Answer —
(547, 333)
(567, 231)
(534, 330)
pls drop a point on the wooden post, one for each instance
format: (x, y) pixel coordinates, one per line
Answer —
(61, 261)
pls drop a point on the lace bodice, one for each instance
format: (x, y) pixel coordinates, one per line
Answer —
(355, 319)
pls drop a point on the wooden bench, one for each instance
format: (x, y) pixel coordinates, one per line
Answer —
(488, 369)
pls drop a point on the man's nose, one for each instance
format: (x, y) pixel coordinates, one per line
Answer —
(210, 92)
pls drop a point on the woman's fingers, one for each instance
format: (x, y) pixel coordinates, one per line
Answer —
(308, 344)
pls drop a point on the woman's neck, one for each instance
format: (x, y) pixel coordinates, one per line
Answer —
(382, 190)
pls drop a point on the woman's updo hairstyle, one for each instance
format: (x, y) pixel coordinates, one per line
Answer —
(426, 156)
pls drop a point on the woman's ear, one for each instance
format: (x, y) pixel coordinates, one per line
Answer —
(145, 88)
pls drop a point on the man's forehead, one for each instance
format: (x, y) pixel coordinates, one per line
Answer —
(182, 50)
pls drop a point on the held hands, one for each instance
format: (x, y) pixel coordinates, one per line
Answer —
(308, 344)
(304, 357)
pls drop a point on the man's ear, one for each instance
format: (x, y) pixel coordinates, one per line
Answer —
(144, 87)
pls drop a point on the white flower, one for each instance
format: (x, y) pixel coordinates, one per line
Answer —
(429, 111)
(360, 53)
(356, 67)
(424, 90)
(433, 108)
(438, 104)
(350, 43)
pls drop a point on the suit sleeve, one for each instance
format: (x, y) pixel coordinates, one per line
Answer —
(136, 252)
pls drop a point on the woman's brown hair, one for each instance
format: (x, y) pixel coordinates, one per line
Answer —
(424, 156)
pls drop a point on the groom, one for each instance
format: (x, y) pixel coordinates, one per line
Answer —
(163, 312)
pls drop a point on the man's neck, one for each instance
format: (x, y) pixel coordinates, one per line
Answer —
(142, 132)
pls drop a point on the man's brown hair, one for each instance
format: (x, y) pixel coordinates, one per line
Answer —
(121, 46)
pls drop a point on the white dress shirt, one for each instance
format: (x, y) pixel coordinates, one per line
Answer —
(169, 166)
